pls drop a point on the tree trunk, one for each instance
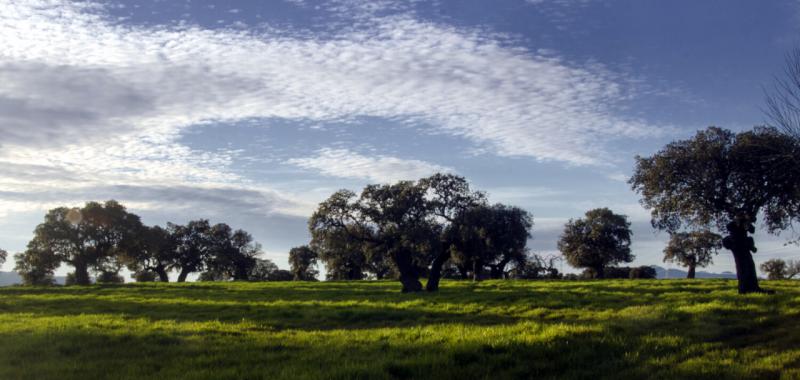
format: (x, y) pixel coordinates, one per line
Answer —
(162, 274)
(741, 246)
(436, 271)
(691, 271)
(183, 274)
(409, 277)
(81, 273)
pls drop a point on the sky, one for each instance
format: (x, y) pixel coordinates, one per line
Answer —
(252, 112)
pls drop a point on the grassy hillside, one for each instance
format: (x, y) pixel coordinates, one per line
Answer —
(364, 330)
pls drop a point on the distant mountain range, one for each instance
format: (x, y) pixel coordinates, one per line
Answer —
(677, 273)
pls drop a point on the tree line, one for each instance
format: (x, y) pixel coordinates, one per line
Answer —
(438, 227)
(102, 238)
(716, 182)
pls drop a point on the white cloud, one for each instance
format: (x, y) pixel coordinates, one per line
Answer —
(93, 109)
(156, 81)
(344, 163)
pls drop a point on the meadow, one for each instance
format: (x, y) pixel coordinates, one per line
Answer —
(368, 330)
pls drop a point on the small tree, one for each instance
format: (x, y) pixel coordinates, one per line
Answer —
(3, 255)
(302, 261)
(728, 179)
(692, 249)
(262, 270)
(36, 265)
(775, 269)
(600, 239)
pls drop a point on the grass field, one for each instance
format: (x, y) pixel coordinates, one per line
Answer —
(366, 330)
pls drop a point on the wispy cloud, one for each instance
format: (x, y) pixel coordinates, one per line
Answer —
(88, 102)
(344, 163)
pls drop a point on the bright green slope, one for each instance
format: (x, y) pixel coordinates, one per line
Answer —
(365, 330)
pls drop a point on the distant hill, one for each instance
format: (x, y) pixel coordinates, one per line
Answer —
(662, 273)
(11, 278)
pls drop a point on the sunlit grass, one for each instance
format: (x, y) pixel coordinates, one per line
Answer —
(494, 329)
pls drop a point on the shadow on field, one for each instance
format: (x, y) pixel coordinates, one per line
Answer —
(493, 329)
(73, 353)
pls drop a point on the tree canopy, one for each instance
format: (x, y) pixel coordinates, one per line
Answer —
(85, 238)
(599, 239)
(727, 179)
(413, 224)
(692, 249)
(302, 263)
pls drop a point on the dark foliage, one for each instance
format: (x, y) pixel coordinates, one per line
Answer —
(600, 239)
(726, 179)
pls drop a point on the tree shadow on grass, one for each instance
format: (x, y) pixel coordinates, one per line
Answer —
(307, 315)
(75, 353)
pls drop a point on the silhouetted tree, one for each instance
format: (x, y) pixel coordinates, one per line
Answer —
(3, 255)
(447, 197)
(535, 267)
(302, 261)
(774, 268)
(727, 179)
(692, 249)
(192, 246)
(36, 265)
(87, 237)
(404, 222)
(599, 239)
(388, 219)
(154, 252)
(262, 270)
(231, 254)
(489, 236)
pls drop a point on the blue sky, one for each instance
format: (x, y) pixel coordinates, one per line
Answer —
(252, 112)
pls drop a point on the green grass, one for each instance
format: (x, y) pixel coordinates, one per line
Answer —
(368, 330)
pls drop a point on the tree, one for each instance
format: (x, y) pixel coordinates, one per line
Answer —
(302, 261)
(489, 236)
(403, 222)
(262, 270)
(192, 246)
(533, 266)
(86, 238)
(728, 179)
(774, 268)
(3, 255)
(447, 196)
(783, 99)
(600, 239)
(692, 249)
(385, 219)
(37, 265)
(154, 252)
(230, 254)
